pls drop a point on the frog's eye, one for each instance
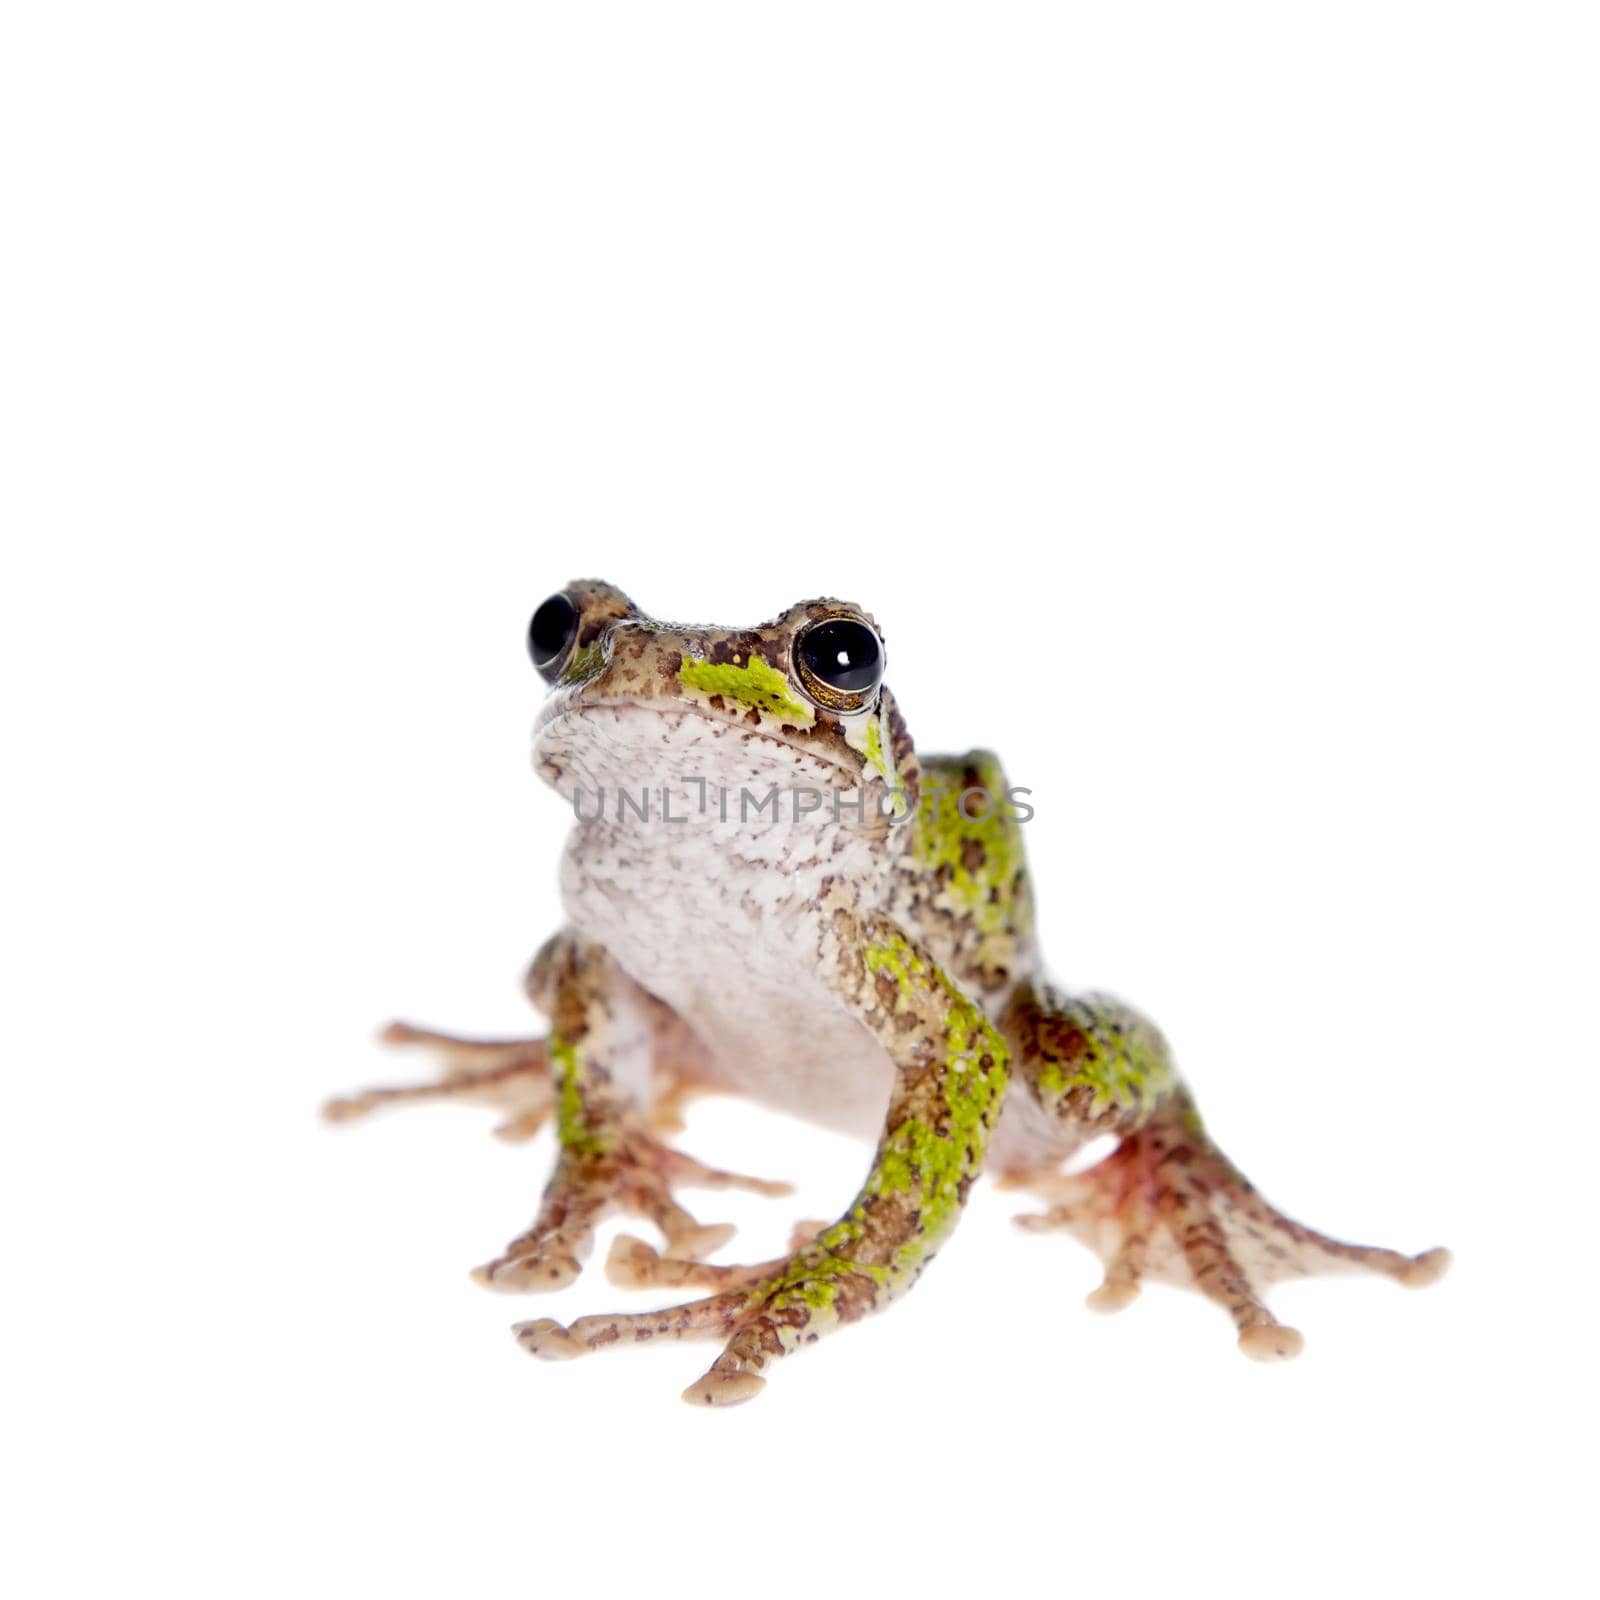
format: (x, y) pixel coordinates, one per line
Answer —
(840, 663)
(552, 630)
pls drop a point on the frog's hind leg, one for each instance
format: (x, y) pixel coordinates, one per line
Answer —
(612, 1075)
(604, 1046)
(616, 1168)
(1166, 1204)
(513, 1075)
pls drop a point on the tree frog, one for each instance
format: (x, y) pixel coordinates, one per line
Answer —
(768, 891)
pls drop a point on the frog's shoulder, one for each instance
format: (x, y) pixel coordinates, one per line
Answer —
(965, 855)
(983, 767)
(967, 821)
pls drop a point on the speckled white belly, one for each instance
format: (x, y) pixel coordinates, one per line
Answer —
(714, 913)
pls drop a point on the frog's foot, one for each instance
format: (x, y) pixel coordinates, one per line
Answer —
(762, 1312)
(711, 1318)
(633, 1264)
(633, 1173)
(513, 1075)
(1168, 1205)
(754, 1330)
(672, 1096)
(760, 1317)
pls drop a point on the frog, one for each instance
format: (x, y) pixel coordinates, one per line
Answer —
(768, 891)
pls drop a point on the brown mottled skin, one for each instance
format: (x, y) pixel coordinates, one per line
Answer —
(867, 962)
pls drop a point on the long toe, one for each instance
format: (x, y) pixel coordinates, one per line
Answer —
(548, 1340)
(724, 1389)
(536, 1274)
(1271, 1341)
(690, 1244)
(1429, 1267)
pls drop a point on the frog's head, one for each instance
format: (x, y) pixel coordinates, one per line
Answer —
(798, 700)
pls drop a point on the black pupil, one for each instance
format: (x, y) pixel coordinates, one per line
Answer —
(845, 655)
(550, 630)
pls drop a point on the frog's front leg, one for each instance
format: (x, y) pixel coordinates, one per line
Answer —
(950, 1080)
(1166, 1203)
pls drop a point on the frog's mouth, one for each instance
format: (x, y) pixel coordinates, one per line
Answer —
(637, 743)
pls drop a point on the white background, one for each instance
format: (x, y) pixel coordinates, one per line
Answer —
(1203, 397)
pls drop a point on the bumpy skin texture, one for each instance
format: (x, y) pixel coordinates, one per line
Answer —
(768, 893)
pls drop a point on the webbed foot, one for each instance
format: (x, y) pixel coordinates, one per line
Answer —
(763, 1311)
(631, 1172)
(633, 1264)
(1166, 1204)
(613, 1169)
(757, 1323)
(512, 1075)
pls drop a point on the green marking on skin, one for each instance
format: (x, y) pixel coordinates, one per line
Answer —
(812, 1277)
(940, 1161)
(896, 957)
(917, 1157)
(1125, 1069)
(756, 683)
(944, 829)
(993, 888)
(573, 1126)
(871, 736)
(874, 751)
(586, 661)
(868, 736)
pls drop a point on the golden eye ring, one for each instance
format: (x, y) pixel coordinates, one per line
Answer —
(839, 662)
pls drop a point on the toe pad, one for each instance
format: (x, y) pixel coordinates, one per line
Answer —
(724, 1389)
(1427, 1268)
(1271, 1341)
(548, 1340)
